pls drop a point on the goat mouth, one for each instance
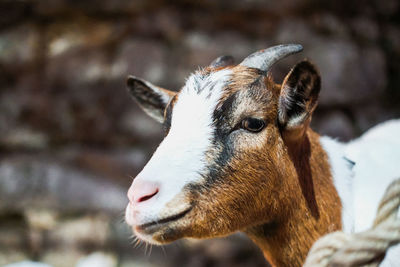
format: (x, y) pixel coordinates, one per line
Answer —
(154, 225)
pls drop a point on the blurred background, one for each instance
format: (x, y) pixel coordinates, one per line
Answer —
(71, 139)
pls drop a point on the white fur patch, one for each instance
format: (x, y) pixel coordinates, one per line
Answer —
(342, 179)
(377, 156)
(180, 158)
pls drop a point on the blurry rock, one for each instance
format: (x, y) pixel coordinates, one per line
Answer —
(13, 230)
(203, 48)
(65, 257)
(89, 230)
(236, 250)
(120, 166)
(10, 256)
(365, 28)
(336, 58)
(334, 124)
(35, 242)
(387, 7)
(41, 219)
(95, 6)
(23, 138)
(138, 123)
(137, 263)
(12, 238)
(10, 110)
(295, 30)
(84, 33)
(78, 68)
(166, 22)
(45, 184)
(368, 116)
(143, 58)
(330, 24)
(17, 45)
(392, 33)
(64, 43)
(77, 52)
(284, 6)
(27, 264)
(98, 259)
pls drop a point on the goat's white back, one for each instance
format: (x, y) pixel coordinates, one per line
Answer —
(376, 155)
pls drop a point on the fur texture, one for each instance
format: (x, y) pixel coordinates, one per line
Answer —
(283, 185)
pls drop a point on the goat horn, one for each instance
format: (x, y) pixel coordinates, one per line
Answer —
(265, 58)
(222, 61)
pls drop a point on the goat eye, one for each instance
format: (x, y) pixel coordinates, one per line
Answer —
(253, 125)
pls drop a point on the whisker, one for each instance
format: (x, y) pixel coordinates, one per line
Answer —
(138, 243)
(145, 250)
(163, 248)
(121, 216)
(151, 248)
(133, 239)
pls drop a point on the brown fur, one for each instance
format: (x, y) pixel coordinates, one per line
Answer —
(287, 242)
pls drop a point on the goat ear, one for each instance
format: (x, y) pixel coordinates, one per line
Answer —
(152, 99)
(299, 95)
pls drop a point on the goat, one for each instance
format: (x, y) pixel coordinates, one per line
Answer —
(239, 155)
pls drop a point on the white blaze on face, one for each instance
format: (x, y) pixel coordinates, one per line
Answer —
(180, 158)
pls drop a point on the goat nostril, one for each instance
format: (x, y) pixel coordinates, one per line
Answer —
(141, 191)
(144, 198)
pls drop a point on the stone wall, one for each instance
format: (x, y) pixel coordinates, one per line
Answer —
(71, 139)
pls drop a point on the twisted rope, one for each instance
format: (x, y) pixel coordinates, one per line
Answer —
(366, 248)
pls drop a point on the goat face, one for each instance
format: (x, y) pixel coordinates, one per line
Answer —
(220, 167)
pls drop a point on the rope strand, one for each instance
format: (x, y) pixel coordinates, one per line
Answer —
(366, 248)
